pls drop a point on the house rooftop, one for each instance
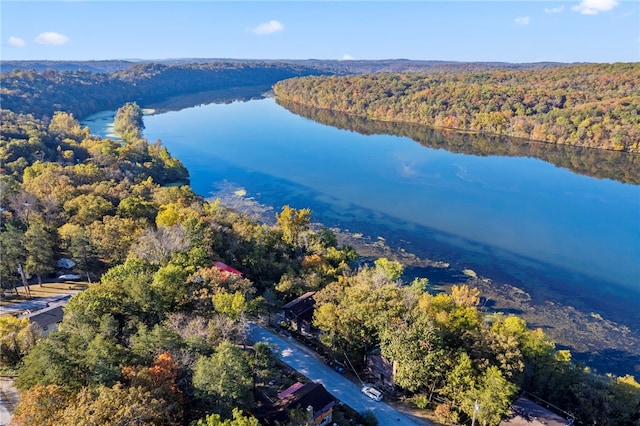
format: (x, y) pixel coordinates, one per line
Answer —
(299, 396)
(45, 317)
(226, 268)
(301, 304)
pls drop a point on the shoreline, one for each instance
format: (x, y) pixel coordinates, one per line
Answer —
(603, 344)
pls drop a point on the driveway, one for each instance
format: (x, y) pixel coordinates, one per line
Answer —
(304, 361)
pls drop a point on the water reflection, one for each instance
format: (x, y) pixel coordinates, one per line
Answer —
(621, 166)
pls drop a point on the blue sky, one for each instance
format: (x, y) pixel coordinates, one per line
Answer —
(510, 31)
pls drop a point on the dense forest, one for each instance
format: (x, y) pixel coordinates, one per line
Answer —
(596, 105)
(82, 93)
(159, 336)
(599, 163)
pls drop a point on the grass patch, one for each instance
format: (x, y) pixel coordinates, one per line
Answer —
(47, 290)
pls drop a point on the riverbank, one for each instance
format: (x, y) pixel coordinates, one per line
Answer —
(596, 319)
(605, 345)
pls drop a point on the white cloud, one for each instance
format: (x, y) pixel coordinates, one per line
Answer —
(16, 42)
(347, 57)
(558, 9)
(593, 7)
(51, 38)
(522, 20)
(270, 27)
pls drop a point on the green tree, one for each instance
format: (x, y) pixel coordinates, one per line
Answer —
(136, 207)
(232, 305)
(58, 359)
(264, 361)
(128, 122)
(391, 268)
(40, 249)
(65, 126)
(13, 254)
(169, 287)
(86, 209)
(239, 419)
(418, 350)
(113, 237)
(460, 380)
(225, 377)
(83, 251)
(493, 394)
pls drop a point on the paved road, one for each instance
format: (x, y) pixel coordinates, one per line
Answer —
(301, 359)
(8, 399)
(35, 304)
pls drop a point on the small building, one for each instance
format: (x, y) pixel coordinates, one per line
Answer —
(300, 312)
(525, 412)
(380, 370)
(311, 397)
(223, 267)
(47, 318)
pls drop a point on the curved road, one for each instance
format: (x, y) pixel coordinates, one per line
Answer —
(303, 360)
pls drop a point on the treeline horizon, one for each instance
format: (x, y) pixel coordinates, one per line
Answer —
(595, 105)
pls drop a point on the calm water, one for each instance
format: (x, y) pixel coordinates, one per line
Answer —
(520, 217)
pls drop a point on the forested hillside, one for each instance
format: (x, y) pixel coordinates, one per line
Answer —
(82, 92)
(160, 333)
(595, 105)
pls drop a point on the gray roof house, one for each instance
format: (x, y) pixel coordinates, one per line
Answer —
(47, 318)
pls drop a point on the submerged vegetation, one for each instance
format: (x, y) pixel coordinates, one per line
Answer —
(160, 337)
(595, 105)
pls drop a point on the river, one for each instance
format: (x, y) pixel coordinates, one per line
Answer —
(564, 237)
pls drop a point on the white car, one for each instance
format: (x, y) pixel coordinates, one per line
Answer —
(372, 393)
(69, 277)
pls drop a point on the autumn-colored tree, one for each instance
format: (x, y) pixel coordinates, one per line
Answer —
(465, 296)
(118, 406)
(293, 223)
(17, 338)
(40, 405)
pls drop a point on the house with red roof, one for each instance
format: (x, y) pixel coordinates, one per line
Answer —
(223, 267)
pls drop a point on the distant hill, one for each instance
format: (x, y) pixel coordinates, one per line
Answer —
(82, 92)
(333, 66)
(589, 105)
(39, 66)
